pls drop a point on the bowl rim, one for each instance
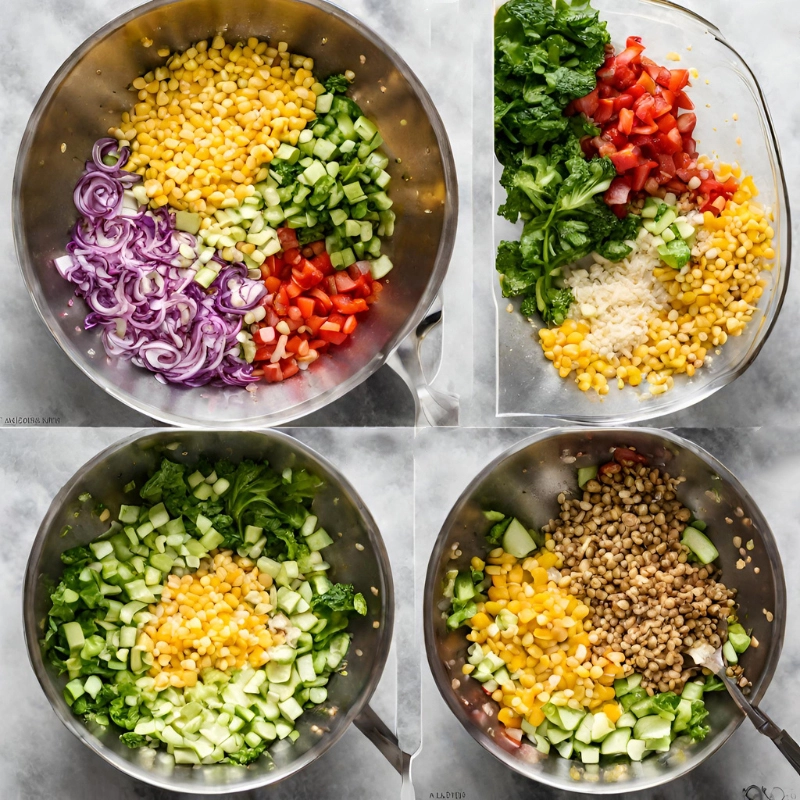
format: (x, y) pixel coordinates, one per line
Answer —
(688, 398)
(441, 260)
(78, 728)
(441, 678)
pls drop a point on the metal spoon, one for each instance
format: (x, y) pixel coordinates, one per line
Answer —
(705, 655)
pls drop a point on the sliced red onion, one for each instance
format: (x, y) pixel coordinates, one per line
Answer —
(127, 266)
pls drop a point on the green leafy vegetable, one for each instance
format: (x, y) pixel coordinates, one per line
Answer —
(336, 84)
(133, 740)
(546, 56)
(495, 534)
(247, 755)
(342, 597)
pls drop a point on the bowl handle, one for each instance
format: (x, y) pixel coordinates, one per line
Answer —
(376, 730)
(433, 408)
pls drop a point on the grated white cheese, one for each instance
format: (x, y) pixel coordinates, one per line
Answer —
(618, 299)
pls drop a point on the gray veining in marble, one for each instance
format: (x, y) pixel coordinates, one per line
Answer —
(43, 760)
(766, 462)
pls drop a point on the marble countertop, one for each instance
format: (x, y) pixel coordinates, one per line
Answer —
(748, 424)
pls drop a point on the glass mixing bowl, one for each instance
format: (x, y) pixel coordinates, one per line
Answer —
(528, 384)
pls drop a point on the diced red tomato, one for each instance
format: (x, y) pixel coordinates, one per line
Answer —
(625, 120)
(637, 104)
(605, 110)
(587, 104)
(288, 238)
(306, 306)
(344, 283)
(316, 304)
(686, 123)
(617, 193)
(273, 373)
(679, 78)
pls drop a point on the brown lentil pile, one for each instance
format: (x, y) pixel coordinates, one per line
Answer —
(620, 547)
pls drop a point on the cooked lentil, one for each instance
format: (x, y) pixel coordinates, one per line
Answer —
(620, 546)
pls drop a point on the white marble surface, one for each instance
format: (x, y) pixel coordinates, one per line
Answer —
(765, 460)
(43, 760)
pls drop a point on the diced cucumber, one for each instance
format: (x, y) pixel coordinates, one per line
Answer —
(635, 749)
(542, 745)
(616, 743)
(272, 568)
(211, 539)
(365, 129)
(101, 549)
(129, 514)
(318, 540)
(583, 733)
(602, 726)
(264, 729)
(586, 474)
(660, 745)
(565, 748)
(283, 728)
(692, 691)
(570, 718)
(627, 720)
(738, 638)
(652, 727)
(700, 545)
(517, 541)
(278, 673)
(287, 153)
(557, 735)
(324, 102)
(252, 533)
(729, 653)
(664, 217)
(685, 230)
(380, 267)
(305, 668)
(158, 514)
(590, 755)
(74, 635)
(354, 192)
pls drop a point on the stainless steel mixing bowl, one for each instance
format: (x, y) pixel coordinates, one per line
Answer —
(90, 91)
(525, 481)
(339, 508)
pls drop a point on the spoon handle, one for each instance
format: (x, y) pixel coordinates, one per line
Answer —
(763, 724)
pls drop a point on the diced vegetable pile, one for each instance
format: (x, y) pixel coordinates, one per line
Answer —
(599, 157)
(279, 193)
(571, 658)
(204, 620)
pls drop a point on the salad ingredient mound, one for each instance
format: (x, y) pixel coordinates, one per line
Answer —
(204, 620)
(270, 193)
(579, 631)
(680, 269)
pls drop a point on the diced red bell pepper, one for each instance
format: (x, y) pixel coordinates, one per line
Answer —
(683, 101)
(289, 367)
(333, 337)
(306, 306)
(640, 175)
(646, 82)
(347, 305)
(349, 325)
(629, 158)
(322, 262)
